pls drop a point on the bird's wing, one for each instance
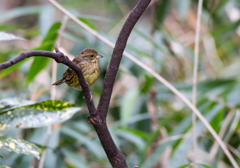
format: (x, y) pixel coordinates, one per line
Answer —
(69, 72)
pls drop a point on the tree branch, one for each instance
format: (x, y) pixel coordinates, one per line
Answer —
(59, 57)
(97, 118)
(117, 56)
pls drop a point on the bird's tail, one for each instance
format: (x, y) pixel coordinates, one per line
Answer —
(59, 82)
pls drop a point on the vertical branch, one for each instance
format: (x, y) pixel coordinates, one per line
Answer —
(117, 56)
(195, 68)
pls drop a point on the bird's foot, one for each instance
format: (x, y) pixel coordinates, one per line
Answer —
(87, 83)
(90, 95)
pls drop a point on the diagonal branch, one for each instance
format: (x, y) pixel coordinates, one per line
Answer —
(59, 57)
(117, 56)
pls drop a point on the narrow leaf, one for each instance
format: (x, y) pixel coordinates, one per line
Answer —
(3, 166)
(76, 159)
(162, 7)
(92, 146)
(19, 146)
(128, 104)
(20, 11)
(178, 157)
(39, 63)
(7, 36)
(89, 23)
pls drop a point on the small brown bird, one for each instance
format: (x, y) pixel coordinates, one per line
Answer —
(87, 60)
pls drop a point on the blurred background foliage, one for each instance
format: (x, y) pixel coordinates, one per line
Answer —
(150, 125)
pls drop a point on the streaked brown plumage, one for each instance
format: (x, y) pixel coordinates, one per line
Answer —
(87, 60)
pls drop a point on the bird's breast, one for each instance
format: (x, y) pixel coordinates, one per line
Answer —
(91, 72)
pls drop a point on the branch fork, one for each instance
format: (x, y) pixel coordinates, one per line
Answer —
(97, 117)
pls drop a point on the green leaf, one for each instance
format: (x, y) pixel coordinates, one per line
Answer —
(7, 36)
(204, 165)
(178, 157)
(37, 115)
(153, 42)
(10, 27)
(19, 146)
(92, 146)
(20, 11)
(40, 63)
(75, 159)
(7, 71)
(162, 7)
(135, 139)
(179, 129)
(89, 23)
(191, 164)
(11, 103)
(186, 165)
(147, 84)
(142, 53)
(151, 160)
(216, 122)
(128, 102)
(3, 166)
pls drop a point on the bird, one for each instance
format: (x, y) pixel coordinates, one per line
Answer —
(87, 60)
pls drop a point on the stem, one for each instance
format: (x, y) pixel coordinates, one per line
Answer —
(195, 68)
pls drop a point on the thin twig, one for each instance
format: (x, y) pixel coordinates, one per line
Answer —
(155, 75)
(53, 88)
(223, 129)
(48, 134)
(54, 64)
(194, 89)
(233, 150)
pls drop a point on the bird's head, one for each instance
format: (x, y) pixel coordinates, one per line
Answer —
(90, 55)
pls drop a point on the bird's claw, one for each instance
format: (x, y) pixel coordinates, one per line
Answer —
(90, 95)
(87, 83)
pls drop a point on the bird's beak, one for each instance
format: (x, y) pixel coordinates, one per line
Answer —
(99, 56)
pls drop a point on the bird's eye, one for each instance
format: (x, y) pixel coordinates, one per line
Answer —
(91, 55)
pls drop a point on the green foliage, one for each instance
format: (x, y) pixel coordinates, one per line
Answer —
(127, 107)
(39, 63)
(75, 159)
(145, 119)
(89, 23)
(92, 146)
(191, 164)
(2, 166)
(162, 8)
(35, 115)
(19, 146)
(147, 84)
(7, 71)
(19, 11)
